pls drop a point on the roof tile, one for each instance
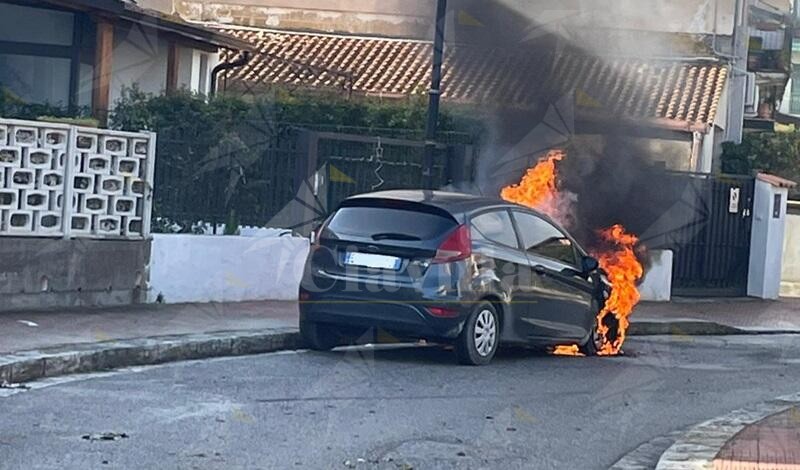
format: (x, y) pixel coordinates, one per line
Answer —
(685, 91)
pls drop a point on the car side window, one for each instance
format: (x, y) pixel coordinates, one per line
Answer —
(542, 238)
(494, 227)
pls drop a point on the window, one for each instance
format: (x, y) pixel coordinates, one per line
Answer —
(37, 53)
(35, 25)
(36, 79)
(494, 227)
(386, 223)
(541, 238)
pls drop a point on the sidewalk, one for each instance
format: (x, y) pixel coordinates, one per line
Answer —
(36, 345)
(744, 314)
(772, 443)
(40, 344)
(90, 325)
(763, 436)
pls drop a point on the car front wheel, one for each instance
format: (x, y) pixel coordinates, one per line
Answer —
(595, 341)
(478, 341)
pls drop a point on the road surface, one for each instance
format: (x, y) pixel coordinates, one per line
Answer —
(404, 407)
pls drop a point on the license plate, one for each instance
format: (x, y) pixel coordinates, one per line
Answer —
(369, 260)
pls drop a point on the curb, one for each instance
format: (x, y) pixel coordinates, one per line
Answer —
(697, 447)
(27, 366)
(685, 328)
(647, 454)
(32, 365)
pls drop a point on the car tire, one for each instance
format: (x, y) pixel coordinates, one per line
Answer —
(478, 341)
(319, 336)
(593, 343)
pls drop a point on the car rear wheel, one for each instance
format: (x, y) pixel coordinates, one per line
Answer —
(478, 341)
(319, 336)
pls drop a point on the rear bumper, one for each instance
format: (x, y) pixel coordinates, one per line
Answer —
(407, 317)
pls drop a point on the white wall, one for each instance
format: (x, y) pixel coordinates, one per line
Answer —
(790, 275)
(140, 57)
(673, 16)
(766, 245)
(198, 268)
(656, 285)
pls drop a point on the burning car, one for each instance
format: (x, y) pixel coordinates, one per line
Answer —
(450, 267)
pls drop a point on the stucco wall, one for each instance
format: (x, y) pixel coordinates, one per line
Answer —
(767, 241)
(140, 57)
(414, 18)
(674, 16)
(790, 275)
(673, 154)
(402, 18)
(199, 268)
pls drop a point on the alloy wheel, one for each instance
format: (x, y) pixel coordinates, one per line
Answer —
(485, 332)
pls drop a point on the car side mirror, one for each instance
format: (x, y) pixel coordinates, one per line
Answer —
(589, 264)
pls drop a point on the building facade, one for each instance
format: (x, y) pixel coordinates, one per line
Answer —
(82, 54)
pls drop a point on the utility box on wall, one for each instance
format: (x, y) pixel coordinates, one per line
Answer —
(769, 226)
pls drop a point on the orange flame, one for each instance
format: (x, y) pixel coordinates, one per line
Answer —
(571, 350)
(538, 189)
(624, 271)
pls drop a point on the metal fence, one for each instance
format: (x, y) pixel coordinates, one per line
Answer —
(256, 171)
(247, 173)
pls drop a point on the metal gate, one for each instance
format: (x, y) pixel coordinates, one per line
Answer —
(341, 165)
(712, 247)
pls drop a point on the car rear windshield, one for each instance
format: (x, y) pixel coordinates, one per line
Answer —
(385, 223)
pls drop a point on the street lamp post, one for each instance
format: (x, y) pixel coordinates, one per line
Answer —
(433, 95)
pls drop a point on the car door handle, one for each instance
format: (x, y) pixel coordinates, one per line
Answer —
(539, 269)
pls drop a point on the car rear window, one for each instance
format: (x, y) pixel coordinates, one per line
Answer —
(392, 223)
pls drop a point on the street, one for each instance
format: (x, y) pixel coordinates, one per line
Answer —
(395, 407)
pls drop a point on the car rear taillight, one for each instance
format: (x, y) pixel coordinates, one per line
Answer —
(443, 312)
(457, 246)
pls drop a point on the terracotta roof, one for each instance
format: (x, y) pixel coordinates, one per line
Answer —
(776, 181)
(677, 94)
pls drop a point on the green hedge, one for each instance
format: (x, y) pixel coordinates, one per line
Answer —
(138, 110)
(229, 158)
(772, 152)
(13, 107)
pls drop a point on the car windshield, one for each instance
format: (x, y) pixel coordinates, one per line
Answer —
(399, 234)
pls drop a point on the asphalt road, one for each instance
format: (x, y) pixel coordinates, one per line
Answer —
(398, 408)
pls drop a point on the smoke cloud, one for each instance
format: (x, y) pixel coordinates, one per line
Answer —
(614, 171)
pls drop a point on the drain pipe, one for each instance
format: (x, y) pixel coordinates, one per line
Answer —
(696, 157)
(239, 61)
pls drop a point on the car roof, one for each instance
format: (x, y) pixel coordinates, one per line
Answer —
(452, 202)
(456, 204)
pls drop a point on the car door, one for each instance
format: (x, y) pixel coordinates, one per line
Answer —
(562, 294)
(500, 262)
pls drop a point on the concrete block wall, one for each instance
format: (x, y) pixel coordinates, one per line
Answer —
(46, 273)
(74, 206)
(105, 175)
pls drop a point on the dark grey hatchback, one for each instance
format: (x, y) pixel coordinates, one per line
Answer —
(449, 267)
